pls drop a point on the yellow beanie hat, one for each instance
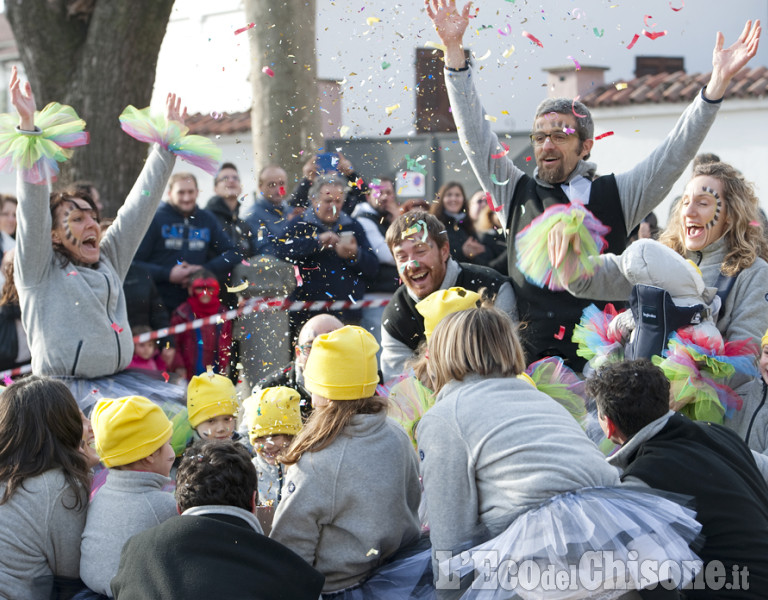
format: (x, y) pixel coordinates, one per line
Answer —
(438, 305)
(128, 429)
(210, 395)
(342, 364)
(274, 411)
(764, 341)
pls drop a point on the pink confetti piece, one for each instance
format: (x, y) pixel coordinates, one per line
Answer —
(603, 135)
(569, 130)
(297, 274)
(573, 108)
(633, 42)
(507, 30)
(489, 200)
(527, 159)
(71, 273)
(754, 224)
(117, 328)
(7, 380)
(653, 35)
(533, 39)
(560, 334)
(166, 376)
(575, 62)
(645, 21)
(246, 28)
(503, 153)
(268, 71)
(677, 9)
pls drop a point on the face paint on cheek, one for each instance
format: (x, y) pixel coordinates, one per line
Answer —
(404, 266)
(712, 222)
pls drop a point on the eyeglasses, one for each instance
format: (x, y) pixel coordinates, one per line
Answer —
(558, 137)
(305, 348)
(228, 178)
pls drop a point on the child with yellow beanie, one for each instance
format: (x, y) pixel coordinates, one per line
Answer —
(274, 417)
(353, 479)
(133, 439)
(212, 406)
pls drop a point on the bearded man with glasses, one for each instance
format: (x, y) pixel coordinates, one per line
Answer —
(562, 138)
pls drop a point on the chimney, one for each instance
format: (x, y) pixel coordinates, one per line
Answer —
(568, 82)
(653, 65)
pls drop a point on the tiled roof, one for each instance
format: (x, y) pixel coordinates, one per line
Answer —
(219, 124)
(675, 87)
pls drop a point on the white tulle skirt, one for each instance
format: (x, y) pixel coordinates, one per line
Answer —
(595, 543)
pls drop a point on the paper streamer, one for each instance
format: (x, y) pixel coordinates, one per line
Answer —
(533, 39)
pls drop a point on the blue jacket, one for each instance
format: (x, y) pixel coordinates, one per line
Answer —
(269, 225)
(172, 239)
(325, 275)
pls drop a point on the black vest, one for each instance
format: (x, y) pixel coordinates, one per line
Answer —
(542, 312)
(387, 280)
(712, 464)
(404, 323)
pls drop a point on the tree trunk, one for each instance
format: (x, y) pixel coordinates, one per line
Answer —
(97, 56)
(285, 116)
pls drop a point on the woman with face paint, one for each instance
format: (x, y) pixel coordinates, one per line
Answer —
(69, 274)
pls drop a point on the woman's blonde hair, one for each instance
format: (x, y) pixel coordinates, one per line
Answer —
(326, 423)
(481, 341)
(744, 234)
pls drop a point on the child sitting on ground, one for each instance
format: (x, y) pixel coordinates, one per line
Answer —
(274, 417)
(132, 437)
(146, 355)
(211, 343)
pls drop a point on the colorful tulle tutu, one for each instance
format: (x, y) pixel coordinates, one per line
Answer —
(409, 399)
(532, 246)
(171, 135)
(37, 155)
(629, 527)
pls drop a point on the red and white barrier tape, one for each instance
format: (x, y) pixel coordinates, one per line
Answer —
(251, 306)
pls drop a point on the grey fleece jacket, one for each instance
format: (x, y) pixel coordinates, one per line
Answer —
(128, 503)
(395, 354)
(641, 188)
(39, 536)
(494, 447)
(348, 507)
(75, 316)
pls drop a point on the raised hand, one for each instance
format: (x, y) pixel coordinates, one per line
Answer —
(23, 100)
(450, 25)
(726, 62)
(173, 110)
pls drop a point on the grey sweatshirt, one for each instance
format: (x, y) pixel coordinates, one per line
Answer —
(39, 536)
(349, 506)
(492, 448)
(128, 503)
(395, 354)
(75, 316)
(641, 188)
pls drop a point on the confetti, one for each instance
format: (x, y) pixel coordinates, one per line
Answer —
(527, 159)
(677, 9)
(268, 71)
(508, 52)
(573, 108)
(281, 189)
(497, 182)
(489, 200)
(533, 39)
(633, 42)
(216, 115)
(560, 334)
(435, 45)
(653, 35)
(752, 223)
(569, 130)
(577, 13)
(71, 273)
(372, 551)
(484, 56)
(506, 30)
(372, 20)
(238, 288)
(246, 28)
(490, 118)
(503, 153)
(391, 109)
(117, 328)
(297, 275)
(166, 376)
(385, 65)
(7, 380)
(598, 33)
(387, 131)
(645, 21)
(575, 62)
(343, 130)
(603, 135)
(621, 86)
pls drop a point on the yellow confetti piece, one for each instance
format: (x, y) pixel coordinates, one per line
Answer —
(508, 52)
(436, 46)
(343, 130)
(504, 112)
(483, 57)
(372, 20)
(621, 86)
(372, 551)
(391, 109)
(490, 118)
(238, 288)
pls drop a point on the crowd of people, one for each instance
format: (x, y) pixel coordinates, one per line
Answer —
(461, 439)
